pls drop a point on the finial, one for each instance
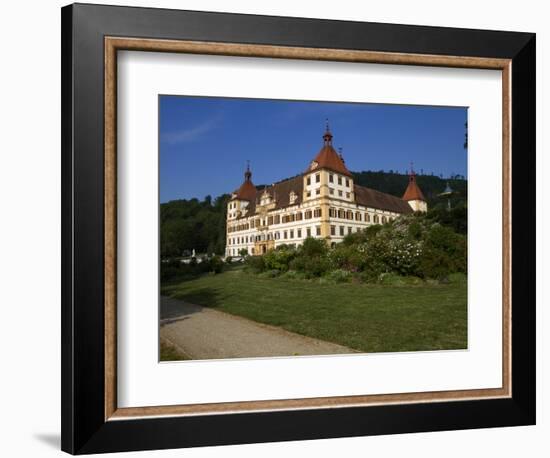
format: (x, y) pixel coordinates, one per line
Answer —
(340, 149)
(411, 173)
(328, 136)
(247, 173)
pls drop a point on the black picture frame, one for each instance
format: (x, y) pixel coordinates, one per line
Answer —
(84, 429)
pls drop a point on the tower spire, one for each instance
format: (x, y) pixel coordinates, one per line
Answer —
(247, 173)
(412, 174)
(328, 136)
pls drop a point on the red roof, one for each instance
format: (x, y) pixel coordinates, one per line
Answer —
(375, 199)
(413, 192)
(328, 158)
(247, 191)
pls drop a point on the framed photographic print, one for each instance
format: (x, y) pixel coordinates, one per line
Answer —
(281, 228)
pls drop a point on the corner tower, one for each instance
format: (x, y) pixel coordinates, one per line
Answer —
(327, 174)
(413, 194)
(241, 198)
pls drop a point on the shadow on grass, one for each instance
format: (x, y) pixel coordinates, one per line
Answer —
(181, 306)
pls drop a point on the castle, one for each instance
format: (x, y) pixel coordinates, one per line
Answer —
(322, 202)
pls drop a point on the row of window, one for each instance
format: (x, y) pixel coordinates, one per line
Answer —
(357, 216)
(331, 176)
(341, 230)
(331, 192)
(308, 214)
(280, 235)
(277, 219)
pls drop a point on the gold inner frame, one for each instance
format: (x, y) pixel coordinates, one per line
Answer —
(114, 44)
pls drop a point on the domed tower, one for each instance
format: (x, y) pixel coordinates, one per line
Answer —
(241, 198)
(327, 174)
(413, 194)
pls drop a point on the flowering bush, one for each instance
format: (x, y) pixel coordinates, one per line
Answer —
(410, 247)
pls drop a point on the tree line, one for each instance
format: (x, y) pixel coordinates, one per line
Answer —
(189, 224)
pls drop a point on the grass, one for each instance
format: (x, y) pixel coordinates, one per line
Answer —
(170, 353)
(368, 318)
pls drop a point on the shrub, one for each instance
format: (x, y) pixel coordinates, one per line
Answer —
(293, 275)
(216, 265)
(312, 267)
(229, 259)
(339, 276)
(348, 257)
(270, 273)
(435, 264)
(279, 258)
(391, 279)
(313, 247)
(255, 264)
(413, 281)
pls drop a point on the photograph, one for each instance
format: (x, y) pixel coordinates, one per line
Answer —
(292, 228)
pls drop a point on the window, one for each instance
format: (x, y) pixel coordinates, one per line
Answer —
(299, 216)
(308, 181)
(331, 191)
(332, 212)
(349, 230)
(285, 234)
(291, 218)
(341, 230)
(308, 232)
(375, 218)
(308, 194)
(347, 183)
(331, 178)
(277, 219)
(270, 220)
(340, 193)
(367, 217)
(317, 213)
(299, 233)
(308, 214)
(357, 216)
(384, 220)
(318, 230)
(292, 197)
(348, 195)
(339, 180)
(332, 230)
(349, 214)
(317, 192)
(341, 214)
(317, 178)
(291, 233)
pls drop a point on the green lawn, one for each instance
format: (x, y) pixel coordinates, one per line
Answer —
(369, 318)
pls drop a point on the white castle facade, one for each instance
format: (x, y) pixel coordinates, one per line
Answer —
(323, 202)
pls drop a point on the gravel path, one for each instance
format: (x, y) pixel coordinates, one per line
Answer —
(203, 333)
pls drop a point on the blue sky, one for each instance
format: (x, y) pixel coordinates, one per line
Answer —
(205, 142)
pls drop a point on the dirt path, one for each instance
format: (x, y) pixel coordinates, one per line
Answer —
(203, 333)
